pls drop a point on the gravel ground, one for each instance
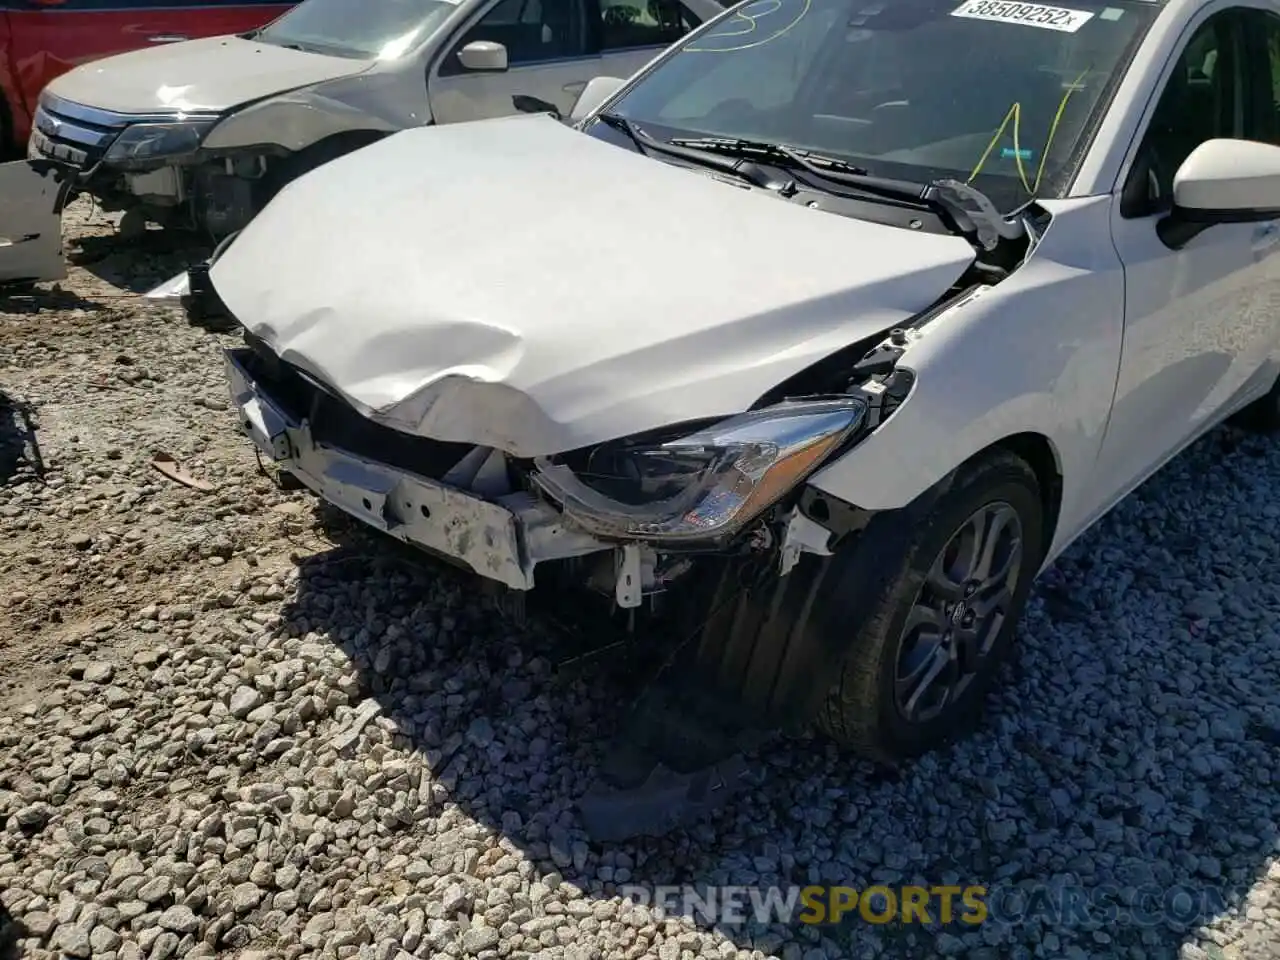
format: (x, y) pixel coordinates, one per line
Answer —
(232, 725)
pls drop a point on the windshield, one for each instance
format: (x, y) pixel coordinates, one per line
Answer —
(998, 93)
(368, 29)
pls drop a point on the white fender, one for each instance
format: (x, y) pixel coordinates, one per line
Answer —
(988, 369)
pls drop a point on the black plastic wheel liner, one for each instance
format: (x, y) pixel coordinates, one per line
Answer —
(744, 664)
(768, 648)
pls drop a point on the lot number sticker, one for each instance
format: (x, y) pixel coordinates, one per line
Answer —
(1027, 14)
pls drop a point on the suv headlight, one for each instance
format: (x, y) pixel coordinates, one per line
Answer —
(705, 485)
(147, 141)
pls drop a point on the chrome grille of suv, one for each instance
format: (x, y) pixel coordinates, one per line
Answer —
(80, 134)
(73, 132)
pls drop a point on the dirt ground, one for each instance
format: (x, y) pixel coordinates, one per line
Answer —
(94, 382)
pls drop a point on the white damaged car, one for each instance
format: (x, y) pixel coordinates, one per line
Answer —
(812, 345)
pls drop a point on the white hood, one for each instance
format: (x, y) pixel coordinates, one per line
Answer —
(519, 284)
(210, 75)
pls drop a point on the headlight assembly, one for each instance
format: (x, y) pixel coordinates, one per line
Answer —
(148, 141)
(705, 485)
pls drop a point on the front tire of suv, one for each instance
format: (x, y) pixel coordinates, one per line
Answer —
(290, 168)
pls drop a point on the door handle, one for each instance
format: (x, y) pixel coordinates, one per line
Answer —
(167, 38)
(576, 87)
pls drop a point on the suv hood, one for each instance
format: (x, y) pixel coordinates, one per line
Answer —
(518, 284)
(209, 75)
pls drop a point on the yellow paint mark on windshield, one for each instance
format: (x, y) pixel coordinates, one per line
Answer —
(1015, 115)
(744, 23)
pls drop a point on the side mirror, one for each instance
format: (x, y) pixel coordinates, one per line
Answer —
(1223, 181)
(483, 56)
(596, 92)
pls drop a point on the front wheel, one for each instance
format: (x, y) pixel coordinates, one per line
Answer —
(285, 171)
(928, 647)
(1263, 415)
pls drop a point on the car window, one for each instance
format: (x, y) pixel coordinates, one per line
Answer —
(533, 31)
(996, 93)
(1202, 100)
(1272, 35)
(384, 30)
(643, 23)
(1265, 112)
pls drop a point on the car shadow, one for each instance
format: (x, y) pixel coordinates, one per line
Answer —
(19, 447)
(1043, 807)
(11, 932)
(139, 263)
(25, 298)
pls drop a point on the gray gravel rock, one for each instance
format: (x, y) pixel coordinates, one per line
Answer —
(244, 701)
(479, 938)
(98, 673)
(73, 941)
(155, 889)
(179, 919)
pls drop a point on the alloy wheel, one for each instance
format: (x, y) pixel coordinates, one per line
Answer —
(958, 612)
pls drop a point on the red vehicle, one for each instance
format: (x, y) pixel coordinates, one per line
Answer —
(40, 39)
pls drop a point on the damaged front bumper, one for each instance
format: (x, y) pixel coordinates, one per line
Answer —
(678, 751)
(501, 539)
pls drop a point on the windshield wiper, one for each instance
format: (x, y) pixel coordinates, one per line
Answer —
(970, 208)
(741, 168)
(741, 147)
(827, 168)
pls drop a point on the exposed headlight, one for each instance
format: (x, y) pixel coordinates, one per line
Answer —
(147, 141)
(705, 485)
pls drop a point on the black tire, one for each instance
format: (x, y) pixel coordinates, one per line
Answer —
(769, 647)
(1263, 415)
(290, 168)
(861, 712)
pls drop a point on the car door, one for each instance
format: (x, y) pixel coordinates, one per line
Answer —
(49, 37)
(633, 32)
(1201, 320)
(550, 57)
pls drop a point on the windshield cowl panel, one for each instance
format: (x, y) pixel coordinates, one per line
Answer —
(999, 94)
(385, 30)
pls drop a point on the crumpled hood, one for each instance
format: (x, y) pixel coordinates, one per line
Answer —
(519, 284)
(209, 75)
